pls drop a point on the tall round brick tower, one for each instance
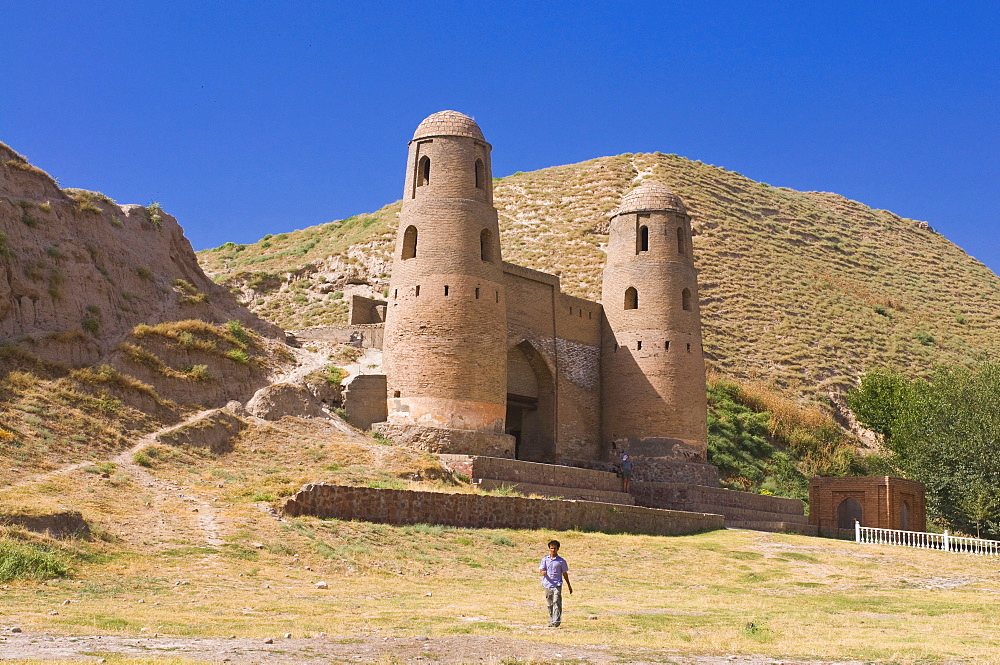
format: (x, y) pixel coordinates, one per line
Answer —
(446, 329)
(653, 371)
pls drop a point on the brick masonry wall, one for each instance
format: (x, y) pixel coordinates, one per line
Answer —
(364, 400)
(738, 505)
(665, 470)
(881, 499)
(445, 340)
(491, 512)
(652, 364)
(539, 314)
(530, 472)
(364, 310)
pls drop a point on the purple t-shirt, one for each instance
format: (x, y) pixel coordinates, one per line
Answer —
(554, 568)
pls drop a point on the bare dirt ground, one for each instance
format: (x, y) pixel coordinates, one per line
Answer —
(354, 649)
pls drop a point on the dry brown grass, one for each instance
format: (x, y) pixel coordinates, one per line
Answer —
(87, 201)
(650, 596)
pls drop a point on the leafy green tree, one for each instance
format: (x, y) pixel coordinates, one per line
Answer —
(876, 402)
(945, 432)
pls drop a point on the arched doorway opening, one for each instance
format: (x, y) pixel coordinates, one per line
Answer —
(530, 404)
(848, 511)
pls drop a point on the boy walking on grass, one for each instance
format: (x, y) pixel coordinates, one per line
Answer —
(554, 570)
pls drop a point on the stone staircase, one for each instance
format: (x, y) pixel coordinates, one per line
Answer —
(743, 510)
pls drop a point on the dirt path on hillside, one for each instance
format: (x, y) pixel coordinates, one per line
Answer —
(199, 511)
(118, 460)
(369, 648)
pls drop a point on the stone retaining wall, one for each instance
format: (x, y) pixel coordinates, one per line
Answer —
(733, 504)
(535, 473)
(662, 470)
(493, 512)
(443, 439)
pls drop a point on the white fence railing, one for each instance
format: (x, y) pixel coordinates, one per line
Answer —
(930, 541)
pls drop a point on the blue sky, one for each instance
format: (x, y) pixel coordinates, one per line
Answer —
(252, 118)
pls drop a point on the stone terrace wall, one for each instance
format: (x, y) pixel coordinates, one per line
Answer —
(519, 471)
(661, 470)
(731, 503)
(492, 512)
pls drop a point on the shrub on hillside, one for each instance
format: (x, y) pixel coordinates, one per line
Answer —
(23, 561)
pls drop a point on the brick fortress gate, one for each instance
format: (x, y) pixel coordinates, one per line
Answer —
(486, 359)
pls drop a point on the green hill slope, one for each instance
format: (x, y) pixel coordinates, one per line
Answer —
(801, 290)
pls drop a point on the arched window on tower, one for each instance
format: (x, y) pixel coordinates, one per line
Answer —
(686, 300)
(631, 298)
(424, 171)
(681, 249)
(480, 174)
(486, 245)
(642, 239)
(409, 243)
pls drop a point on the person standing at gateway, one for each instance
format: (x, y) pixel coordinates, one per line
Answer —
(554, 570)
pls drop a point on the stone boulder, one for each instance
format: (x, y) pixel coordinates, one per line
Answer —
(284, 399)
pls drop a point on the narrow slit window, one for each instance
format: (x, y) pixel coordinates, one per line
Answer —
(410, 243)
(417, 290)
(666, 345)
(642, 240)
(446, 289)
(486, 245)
(480, 174)
(477, 293)
(395, 293)
(686, 300)
(681, 249)
(424, 171)
(498, 296)
(689, 347)
(571, 310)
(631, 298)
(638, 345)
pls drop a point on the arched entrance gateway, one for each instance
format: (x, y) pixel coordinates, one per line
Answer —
(530, 404)
(848, 511)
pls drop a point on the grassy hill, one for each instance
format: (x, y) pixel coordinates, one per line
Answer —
(800, 290)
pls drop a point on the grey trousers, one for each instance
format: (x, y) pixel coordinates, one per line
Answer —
(553, 597)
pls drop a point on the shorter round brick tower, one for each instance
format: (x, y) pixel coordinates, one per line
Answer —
(446, 329)
(653, 371)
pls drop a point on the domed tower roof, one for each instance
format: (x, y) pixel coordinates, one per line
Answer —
(650, 195)
(448, 123)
